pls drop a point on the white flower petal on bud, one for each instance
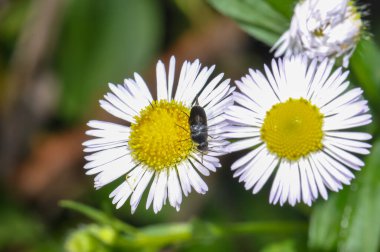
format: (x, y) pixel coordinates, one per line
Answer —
(322, 29)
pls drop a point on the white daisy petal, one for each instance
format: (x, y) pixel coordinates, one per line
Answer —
(152, 191)
(103, 141)
(284, 188)
(143, 87)
(195, 180)
(349, 158)
(107, 133)
(113, 155)
(346, 98)
(140, 188)
(98, 166)
(118, 192)
(216, 94)
(349, 145)
(257, 178)
(106, 175)
(322, 72)
(263, 179)
(128, 187)
(116, 112)
(333, 87)
(342, 159)
(295, 121)
(335, 173)
(138, 92)
(190, 74)
(350, 135)
(292, 184)
(243, 144)
(218, 120)
(171, 78)
(198, 84)
(123, 96)
(241, 135)
(305, 186)
(243, 116)
(336, 165)
(123, 194)
(256, 166)
(318, 179)
(353, 122)
(150, 149)
(310, 177)
(162, 90)
(275, 191)
(159, 195)
(109, 154)
(219, 109)
(101, 147)
(326, 177)
(245, 159)
(251, 92)
(108, 126)
(202, 166)
(184, 179)
(250, 104)
(210, 87)
(217, 106)
(174, 189)
(347, 112)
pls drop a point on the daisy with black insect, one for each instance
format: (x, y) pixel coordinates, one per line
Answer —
(154, 147)
(297, 121)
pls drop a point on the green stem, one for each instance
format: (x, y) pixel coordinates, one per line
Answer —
(98, 216)
(160, 235)
(165, 234)
(278, 227)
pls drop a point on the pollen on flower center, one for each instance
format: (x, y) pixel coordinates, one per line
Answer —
(293, 129)
(161, 135)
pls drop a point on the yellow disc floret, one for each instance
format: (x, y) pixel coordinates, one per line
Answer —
(160, 138)
(293, 129)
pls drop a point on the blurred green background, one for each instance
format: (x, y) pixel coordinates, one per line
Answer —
(56, 58)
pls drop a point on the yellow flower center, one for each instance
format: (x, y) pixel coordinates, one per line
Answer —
(160, 138)
(293, 129)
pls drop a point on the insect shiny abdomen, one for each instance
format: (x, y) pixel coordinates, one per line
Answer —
(198, 127)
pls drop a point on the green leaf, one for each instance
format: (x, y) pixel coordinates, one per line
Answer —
(365, 64)
(257, 17)
(363, 231)
(327, 216)
(283, 246)
(285, 7)
(101, 42)
(350, 219)
(98, 216)
(160, 235)
(91, 238)
(267, 37)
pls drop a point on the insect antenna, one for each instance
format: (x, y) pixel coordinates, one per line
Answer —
(182, 127)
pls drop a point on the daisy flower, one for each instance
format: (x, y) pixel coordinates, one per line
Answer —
(296, 121)
(153, 148)
(322, 28)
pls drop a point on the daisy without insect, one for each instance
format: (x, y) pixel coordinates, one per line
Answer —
(153, 148)
(322, 28)
(296, 120)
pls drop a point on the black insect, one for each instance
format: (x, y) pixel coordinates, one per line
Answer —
(198, 127)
